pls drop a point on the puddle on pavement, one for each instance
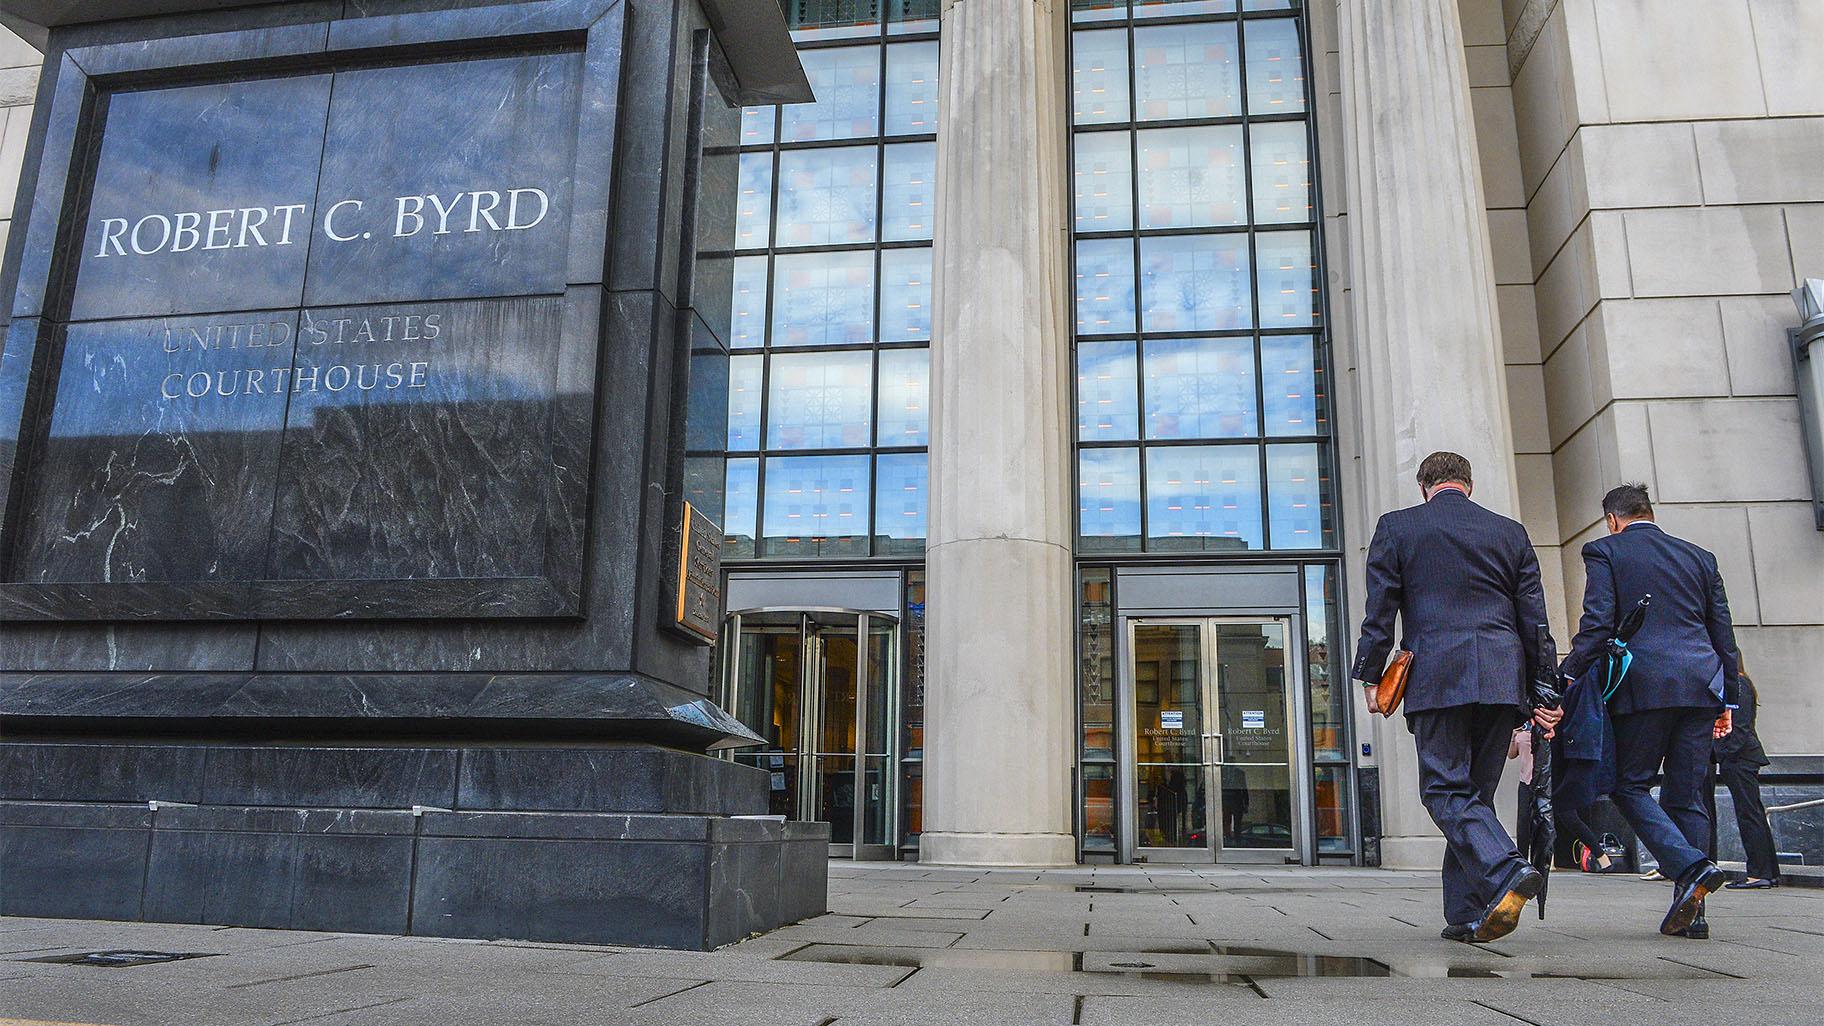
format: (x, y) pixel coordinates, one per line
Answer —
(118, 959)
(1239, 965)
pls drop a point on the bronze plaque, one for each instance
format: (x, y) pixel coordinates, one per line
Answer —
(700, 576)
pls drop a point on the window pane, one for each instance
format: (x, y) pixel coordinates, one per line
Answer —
(1191, 177)
(899, 504)
(1200, 388)
(754, 205)
(1098, 76)
(744, 403)
(820, 400)
(905, 389)
(815, 506)
(911, 16)
(846, 82)
(1329, 704)
(1292, 383)
(1282, 172)
(747, 313)
(907, 205)
(1185, 71)
(1107, 407)
(822, 299)
(1332, 803)
(1082, 11)
(757, 125)
(1298, 497)
(1108, 500)
(1179, 8)
(1276, 67)
(911, 89)
(905, 295)
(1202, 498)
(1105, 286)
(1195, 283)
(1105, 178)
(1287, 279)
(705, 478)
(826, 197)
(830, 19)
(1096, 695)
(738, 501)
(706, 417)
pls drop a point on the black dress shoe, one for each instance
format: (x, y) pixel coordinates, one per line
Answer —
(1688, 896)
(1699, 928)
(1459, 932)
(1751, 884)
(1503, 914)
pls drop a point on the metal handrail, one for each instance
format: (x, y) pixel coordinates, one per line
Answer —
(1812, 804)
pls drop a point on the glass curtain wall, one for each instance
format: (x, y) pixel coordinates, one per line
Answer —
(1203, 413)
(830, 319)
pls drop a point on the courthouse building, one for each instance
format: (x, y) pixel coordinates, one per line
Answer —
(1071, 355)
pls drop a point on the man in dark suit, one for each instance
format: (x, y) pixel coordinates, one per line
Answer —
(1677, 695)
(1465, 584)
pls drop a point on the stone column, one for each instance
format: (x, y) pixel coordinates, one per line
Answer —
(1421, 314)
(999, 698)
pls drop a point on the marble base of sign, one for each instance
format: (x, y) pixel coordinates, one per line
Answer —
(616, 843)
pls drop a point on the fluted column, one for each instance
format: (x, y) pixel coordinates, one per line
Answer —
(1423, 326)
(999, 701)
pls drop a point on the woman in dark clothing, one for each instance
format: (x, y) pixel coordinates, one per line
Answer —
(1595, 852)
(1739, 759)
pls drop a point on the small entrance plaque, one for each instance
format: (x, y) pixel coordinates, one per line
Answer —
(699, 575)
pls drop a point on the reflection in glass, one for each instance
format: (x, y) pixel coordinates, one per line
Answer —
(1282, 172)
(1191, 177)
(1107, 408)
(754, 201)
(911, 89)
(739, 503)
(1185, 71)
(1096, 697)
(706, 416)
(1169, 731)
(905, 16)
(1203, 498)
(905, 386)
(705, 477)
(1286, 278)
(1195, 283)
(744, 403)
(1256, 774)
(1292, 376)
(815, 506)
(1085, 11)
(900, 504)
(831, 19)
(905, 294)
(846, 81)
(907, 203)
(1105, 286)
(1099, 76)
(819, 400)
(757, 125)
(1331, 800)
(826, 197)
(1200, 388)
(1180, 8)
(1298, 499)
(1329, 697)
(1276, 67)
(1108, 500)
(1104, 182)
(747, 313)
(822, 299)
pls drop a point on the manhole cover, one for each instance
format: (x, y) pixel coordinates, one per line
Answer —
(116, 959)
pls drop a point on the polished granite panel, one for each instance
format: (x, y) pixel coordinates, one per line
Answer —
(423, 452)
(100, 772)
(43, 848)
(203, 199)
(447, 180)
(163, 444)
(635, 778)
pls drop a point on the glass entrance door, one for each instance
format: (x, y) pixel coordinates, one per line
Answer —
(816, 685)
(1212, 744)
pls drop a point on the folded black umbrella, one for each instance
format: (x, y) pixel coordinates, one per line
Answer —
(1545, 692)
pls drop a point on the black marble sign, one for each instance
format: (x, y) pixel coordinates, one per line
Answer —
(320, 332)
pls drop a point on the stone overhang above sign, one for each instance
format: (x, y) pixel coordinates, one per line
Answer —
(328, 344)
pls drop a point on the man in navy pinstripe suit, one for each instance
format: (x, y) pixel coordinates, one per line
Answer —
(1464, 583)
(1677, 695)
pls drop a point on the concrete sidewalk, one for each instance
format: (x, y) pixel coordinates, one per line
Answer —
(1160, 946)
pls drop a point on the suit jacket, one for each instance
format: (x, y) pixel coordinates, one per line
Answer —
(1684, 654)
(1742, 744)
(1465, 584)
